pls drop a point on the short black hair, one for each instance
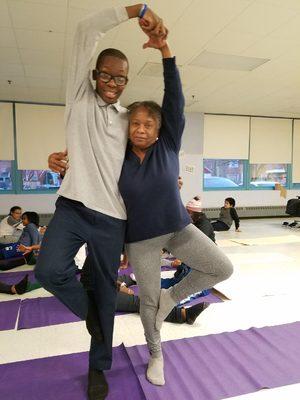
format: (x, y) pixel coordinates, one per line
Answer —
(231, 201)
(152, 108)
(33, 217)
(13, 209)
(110, 53)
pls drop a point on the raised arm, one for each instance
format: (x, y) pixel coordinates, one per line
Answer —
(88, 34)
(173, 101)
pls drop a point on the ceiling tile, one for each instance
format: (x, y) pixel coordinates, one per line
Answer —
(41, 83)
(229, 42)
(11, 70)
(42, 71)
(9, 55)
(7, 38)
(39, 40)
(5, 20)
(42, 57)
(261, 19)
(35, 16)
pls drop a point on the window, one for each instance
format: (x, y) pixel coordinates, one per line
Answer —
(267, 175)
(223, 174)
(6, 176)
(39, 180)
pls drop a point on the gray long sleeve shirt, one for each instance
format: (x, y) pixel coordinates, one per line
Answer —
(96, 131)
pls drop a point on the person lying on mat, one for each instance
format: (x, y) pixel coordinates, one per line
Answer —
(128, 302)
(156, 217)
(29, 241)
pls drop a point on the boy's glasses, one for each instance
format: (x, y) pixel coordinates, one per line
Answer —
(104, 77)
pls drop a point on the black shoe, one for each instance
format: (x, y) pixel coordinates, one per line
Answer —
(22, 285)
(193, 312)
(97, 385)
(93, 324)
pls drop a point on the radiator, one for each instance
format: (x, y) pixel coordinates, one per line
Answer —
(251, 212)
(243, 212)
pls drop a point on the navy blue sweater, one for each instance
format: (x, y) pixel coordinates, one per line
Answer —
(150, 189)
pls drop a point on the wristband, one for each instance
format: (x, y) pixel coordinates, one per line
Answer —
(143, 10)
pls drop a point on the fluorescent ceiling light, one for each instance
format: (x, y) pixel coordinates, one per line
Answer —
(227, 61)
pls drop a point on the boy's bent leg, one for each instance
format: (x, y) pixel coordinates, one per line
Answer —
(55, 268)
(104, 250)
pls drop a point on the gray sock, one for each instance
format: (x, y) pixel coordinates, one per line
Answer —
(166, 303)
(155, 370)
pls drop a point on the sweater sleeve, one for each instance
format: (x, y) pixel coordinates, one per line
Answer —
(173, 104)
(235, 217)
(88, 33)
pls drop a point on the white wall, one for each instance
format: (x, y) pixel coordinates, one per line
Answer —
(41, 203)
(191, 168)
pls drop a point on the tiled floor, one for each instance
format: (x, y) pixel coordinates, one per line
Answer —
(263, 291)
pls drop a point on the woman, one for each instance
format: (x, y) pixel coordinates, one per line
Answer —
(156, 216)
(11, 227)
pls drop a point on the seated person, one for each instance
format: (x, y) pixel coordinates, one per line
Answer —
(29, 241)
(200, 220)
(11, 227)
(227, 215)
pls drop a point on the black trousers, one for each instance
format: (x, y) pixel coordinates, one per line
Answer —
(72, 225)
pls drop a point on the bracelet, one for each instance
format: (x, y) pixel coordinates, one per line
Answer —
(143, 10)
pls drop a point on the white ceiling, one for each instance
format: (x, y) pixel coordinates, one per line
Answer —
(36, 38)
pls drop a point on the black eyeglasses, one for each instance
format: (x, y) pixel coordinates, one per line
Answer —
(104, 77)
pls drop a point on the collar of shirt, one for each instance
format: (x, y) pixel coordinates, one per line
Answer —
(101, 103)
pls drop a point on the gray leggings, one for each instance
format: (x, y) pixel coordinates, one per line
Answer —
(209, 266)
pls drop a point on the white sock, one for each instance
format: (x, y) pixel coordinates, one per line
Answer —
(155, 370)
(166, 303)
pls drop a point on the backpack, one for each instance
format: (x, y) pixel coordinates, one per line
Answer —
(293, 207)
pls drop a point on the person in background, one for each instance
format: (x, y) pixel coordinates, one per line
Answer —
(18, 288)
(200, 220)
(11, 227)
(227, 215)
(30, 239)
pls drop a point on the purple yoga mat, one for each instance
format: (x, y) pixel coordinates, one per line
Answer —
(65, 378)
(224, 365)
(10, 278)
(44, 311)
(8, 314)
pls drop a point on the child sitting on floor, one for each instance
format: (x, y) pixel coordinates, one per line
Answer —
(227, 215)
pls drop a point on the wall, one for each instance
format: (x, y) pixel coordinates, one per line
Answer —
(41, 203)
(191, 161)
(191, 167)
